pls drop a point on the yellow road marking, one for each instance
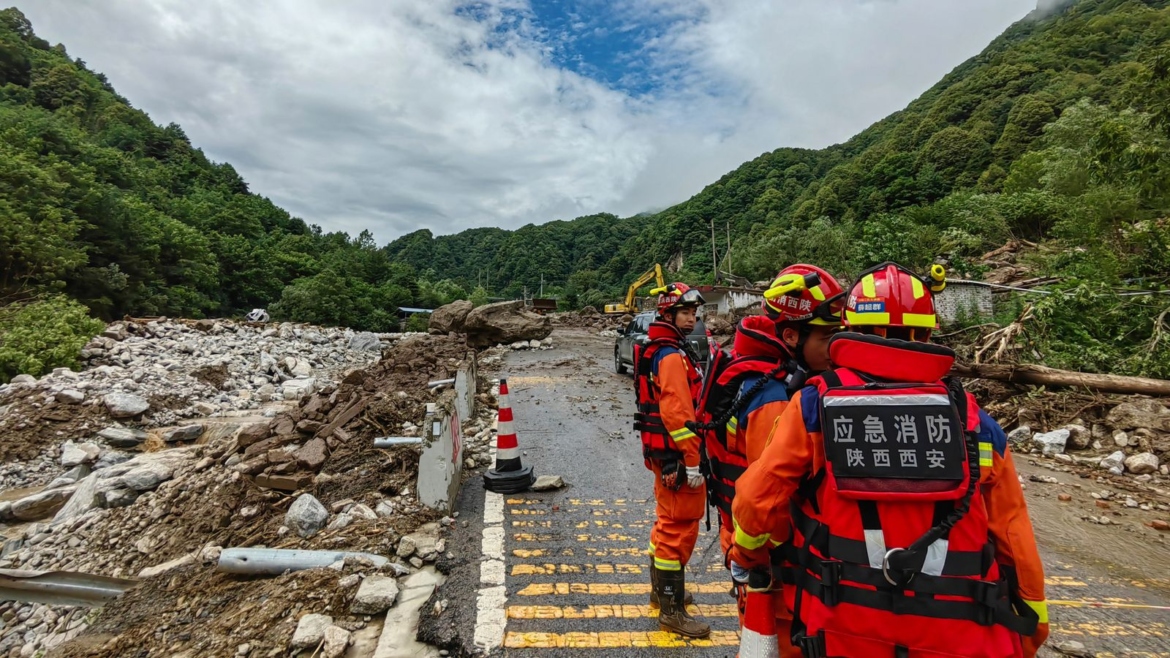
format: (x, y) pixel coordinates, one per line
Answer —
(615, 640)
(1099, 629)
(1063, 581)
(611, 611)
(553, 569)
(532, 524)
(524, 512)
(611, 589)
(523, 501)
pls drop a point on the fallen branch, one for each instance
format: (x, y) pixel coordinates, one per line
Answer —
(1045, 376)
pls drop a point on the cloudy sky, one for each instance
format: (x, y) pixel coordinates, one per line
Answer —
(393, 115)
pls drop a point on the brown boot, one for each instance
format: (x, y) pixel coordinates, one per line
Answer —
(654, 604)
(673, 616)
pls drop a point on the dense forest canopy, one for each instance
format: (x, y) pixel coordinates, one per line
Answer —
(1058, 133)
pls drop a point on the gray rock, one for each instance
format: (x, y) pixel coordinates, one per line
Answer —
(364, 512)
(69, 477)
(23, 379)
(336, 642)
(548, 483)
(1020, 434)
(306, 516)
(365, 341)
(295, 389)
(1113, 463)
(1147, 413)
(310, 631)
(121, 437)
(376, 595)
(84, 499)
(385, 509)
(503, 323)
(41, 505)
(75, 454)
(1079, 437)
(1052, 443)
(115, 498)
(184, 433)
(124, 405)
(1120, 439)
(449, 318)
(70, 396)
(1141, 464)
(147, 476)
(1074, 649)
(110, 458)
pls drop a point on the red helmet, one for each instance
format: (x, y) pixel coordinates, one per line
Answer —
(804, 293)
(677, 295)
(890, 295)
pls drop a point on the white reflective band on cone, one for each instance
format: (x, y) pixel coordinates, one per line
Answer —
(507, 453)
(754, 645)
(504, 428)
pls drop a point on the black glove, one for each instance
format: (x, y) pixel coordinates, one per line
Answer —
(673, 474)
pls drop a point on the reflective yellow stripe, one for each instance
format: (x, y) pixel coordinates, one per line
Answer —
(926, 320)
(817, 293)
(868, 318)
(652, 549)
(748, 541)
(1041, 609)
(867, 286)
(682, 435)
(985, 454)
(732, 428)
(918, 288)
(667, 565)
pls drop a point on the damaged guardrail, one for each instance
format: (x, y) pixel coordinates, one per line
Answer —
(275, 561)
(60, 587)
(440, 467)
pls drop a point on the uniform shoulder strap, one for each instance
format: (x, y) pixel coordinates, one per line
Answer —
(958, 398)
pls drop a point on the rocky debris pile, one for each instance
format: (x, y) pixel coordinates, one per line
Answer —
(163, 517)
(590, 318)
(340, 422)
(153, 373)
(545, 344)
(1132, 438)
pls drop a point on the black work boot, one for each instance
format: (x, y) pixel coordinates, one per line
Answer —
(673, 617)
(654, 604)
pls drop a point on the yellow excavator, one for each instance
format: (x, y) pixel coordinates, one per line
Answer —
(653, 275)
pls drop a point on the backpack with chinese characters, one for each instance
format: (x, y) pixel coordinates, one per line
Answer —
(892, 550)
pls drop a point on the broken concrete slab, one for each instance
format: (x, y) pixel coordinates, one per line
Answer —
(400, 630)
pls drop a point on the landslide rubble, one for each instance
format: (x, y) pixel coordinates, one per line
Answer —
(144, 374)
(165, 514)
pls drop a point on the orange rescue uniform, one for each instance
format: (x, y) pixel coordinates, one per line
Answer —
(763, 493)
(676, 528)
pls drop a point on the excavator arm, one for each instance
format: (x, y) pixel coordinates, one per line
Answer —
(652, 275)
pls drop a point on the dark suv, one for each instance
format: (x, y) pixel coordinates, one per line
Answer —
(635, 333)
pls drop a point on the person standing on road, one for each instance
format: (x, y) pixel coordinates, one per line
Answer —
(667, 384)
(898, 495)
(772, 356)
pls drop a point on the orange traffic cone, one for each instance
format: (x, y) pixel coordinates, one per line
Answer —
(757, 638)
(508, 475)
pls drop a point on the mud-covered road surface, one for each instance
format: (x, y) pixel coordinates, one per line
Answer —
(575, 579)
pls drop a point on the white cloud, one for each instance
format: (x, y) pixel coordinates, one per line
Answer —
(399, 115)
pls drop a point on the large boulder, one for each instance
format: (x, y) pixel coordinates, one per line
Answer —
(1146, 413)
(504, 323)
(450, 318)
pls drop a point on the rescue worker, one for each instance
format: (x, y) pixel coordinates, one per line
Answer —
(898, 495)
(667, 383)
(772, 357)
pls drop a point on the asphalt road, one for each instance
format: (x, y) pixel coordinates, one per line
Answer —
(575, 579)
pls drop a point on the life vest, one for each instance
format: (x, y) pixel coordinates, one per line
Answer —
(892, 550)
(758, 356)
(656, 440)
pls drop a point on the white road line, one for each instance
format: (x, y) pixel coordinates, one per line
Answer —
(490, 617)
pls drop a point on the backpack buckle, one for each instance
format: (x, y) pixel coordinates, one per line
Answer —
(830, 582)
(811, 646)
(896, 576)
